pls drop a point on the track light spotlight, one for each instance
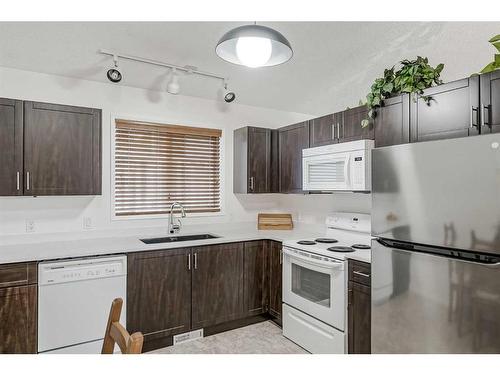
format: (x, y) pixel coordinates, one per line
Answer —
(114, 74)
(173, 86)
(229, 96)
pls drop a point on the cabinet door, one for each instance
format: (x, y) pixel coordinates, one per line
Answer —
(490, 102)
(275, 279)
(259, 160)
(321, 131)
(255, 291)
(159, 293)
(452, 112)
(392, 122)
(217, 284)
(18, 317)
(292, 140)
(11, 147)
(350, 127)
(359, 316)
(62, 150)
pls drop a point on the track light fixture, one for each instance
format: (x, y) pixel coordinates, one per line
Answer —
(173, 86)
(229, 96)
(114, 74)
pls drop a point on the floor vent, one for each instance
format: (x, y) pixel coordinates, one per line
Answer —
(188, 336)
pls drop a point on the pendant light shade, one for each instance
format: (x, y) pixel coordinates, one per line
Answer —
(254, 46)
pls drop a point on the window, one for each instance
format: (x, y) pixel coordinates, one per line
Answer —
(156, 165)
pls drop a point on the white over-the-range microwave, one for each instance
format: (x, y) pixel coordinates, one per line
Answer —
(338, 167)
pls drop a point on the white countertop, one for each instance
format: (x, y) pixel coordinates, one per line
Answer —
(38, 247)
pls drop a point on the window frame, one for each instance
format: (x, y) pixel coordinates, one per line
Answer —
(222, 175)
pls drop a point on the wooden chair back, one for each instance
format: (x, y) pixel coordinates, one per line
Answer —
(116, 333)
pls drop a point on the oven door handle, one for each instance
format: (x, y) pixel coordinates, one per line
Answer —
(316, 262)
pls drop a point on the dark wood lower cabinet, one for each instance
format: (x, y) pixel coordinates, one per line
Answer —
(216, 287)
(359, 308)
(159, 293)
(18, 308)
(255, 290)
(217, 284)
(274, 249)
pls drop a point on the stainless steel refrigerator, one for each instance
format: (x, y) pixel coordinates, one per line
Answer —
(436, 259)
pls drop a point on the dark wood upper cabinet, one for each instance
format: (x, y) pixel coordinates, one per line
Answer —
(255, 274)
(11, 147)
(452, 111)
(392, 122)
(321, 131)
(490, 102)
(292, 140)
(18, 308)
(359, 308)
(350, 128)
(62, 150)
(159, 293)
(252, 160)
(217, 294)
(274, 250)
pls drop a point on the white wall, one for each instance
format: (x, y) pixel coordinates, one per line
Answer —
(56, 214)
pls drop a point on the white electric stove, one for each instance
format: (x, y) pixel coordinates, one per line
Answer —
(315, 282)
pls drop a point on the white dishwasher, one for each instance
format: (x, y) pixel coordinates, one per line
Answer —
(74, 299)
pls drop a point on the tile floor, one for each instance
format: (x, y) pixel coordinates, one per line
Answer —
(260, 338)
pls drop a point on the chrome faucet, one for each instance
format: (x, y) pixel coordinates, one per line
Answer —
(175, 227)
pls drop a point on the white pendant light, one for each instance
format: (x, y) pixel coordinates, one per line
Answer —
(254, 46)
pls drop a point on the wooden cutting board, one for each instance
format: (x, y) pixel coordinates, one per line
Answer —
(274, 222)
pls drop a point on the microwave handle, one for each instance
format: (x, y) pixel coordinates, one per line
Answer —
(347, 170)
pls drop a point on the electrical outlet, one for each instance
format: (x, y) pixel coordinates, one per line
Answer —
(30, 225)
(87, 223)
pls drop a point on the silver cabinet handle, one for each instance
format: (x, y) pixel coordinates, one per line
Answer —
(361, 274)
(27, 180)
(485, 108)
(195, 261)
(251, 183)
(189, 261)
(281, 256)
(472, 110)
(343, 130)
(18, 183)
(338, 131)
(333, 130)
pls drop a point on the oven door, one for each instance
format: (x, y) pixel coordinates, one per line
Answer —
(315, 285)
(326, 172)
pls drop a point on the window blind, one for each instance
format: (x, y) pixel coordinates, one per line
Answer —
(156, 165)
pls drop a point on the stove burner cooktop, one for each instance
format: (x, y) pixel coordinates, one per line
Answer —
(326, 240)
(341, 249)
(305, 242)
(360, 246)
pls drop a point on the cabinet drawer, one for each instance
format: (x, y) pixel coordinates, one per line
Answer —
(18, 274)
(360, 272)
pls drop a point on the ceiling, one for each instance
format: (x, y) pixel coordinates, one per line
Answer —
(332, 66)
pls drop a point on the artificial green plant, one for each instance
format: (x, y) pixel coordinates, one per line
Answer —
(412, 77)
